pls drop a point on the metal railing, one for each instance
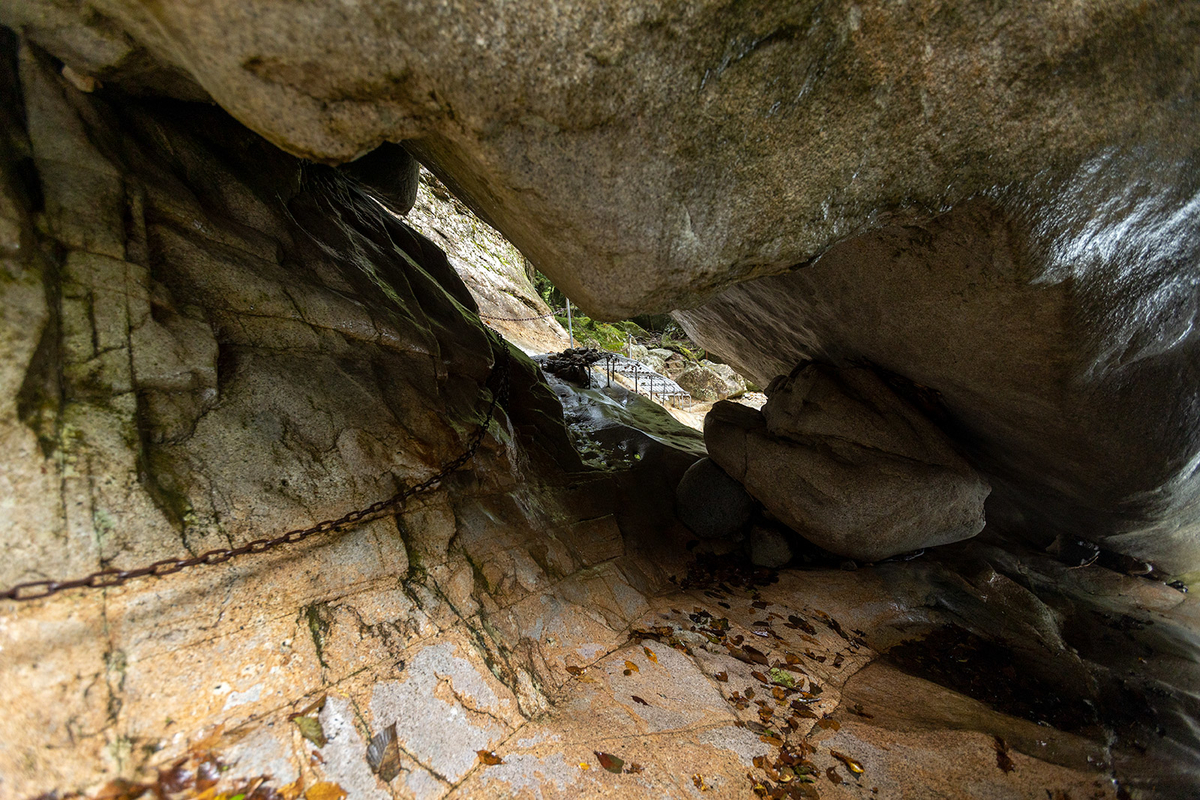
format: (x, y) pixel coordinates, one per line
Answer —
(645, 380)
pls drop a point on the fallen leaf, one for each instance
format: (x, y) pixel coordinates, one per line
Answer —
(698, 782)
(833, 776)
(850, 763)
(311, 708)
(634, 768)
(650, 654)
(755, 656)
(758, 676)
(383, 754)
(637, 699)
(489, 757)
(610, 762)
(722, 676)
(574, 670)
(325, 790)
(583, 766)
(829, 723)
(782, 677)
(774, 741)
(310, 728)
(858, 710)
(176, 777)
(292, 790)
(121, 789)
(631, 667)
(1003, 760)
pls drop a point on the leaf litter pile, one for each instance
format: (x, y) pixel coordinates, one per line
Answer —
(197, 776)
(785, 694)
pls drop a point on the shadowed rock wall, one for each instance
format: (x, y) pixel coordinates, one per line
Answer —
(205, 341)
(647, 156)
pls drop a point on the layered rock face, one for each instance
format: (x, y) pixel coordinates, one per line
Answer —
(205, 341)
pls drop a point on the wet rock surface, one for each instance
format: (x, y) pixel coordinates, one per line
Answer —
(849, 465)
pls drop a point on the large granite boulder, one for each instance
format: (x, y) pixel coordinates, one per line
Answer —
(996, 201)
(707, 381)
(646, 155)
(845, 462)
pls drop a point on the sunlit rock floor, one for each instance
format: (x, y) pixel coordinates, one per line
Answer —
(970, 674)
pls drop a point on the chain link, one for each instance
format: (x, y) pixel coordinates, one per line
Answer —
(115, 577)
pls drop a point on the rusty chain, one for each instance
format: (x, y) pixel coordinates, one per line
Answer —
(33, 590)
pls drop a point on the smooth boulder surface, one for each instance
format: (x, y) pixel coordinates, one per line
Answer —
(849, 465)
(1060, 348)
(645, 156)
(650, 156)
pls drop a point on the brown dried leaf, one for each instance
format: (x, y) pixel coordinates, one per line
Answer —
(633, 769)
(637, 699)
(774, 741)
(1003, 760)
(383, 754)
(756, 656)
(758, 676)
(121, 789)
(722, 676)
(833, 776)
(574, 670)
(829, 723)
(610, 762)
(325, 790)
(858, 710)
(631, 667)
(311, 708)
(698, 782)
(649, 654)
(489, 757)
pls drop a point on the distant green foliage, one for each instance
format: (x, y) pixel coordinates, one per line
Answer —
(651, 330)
